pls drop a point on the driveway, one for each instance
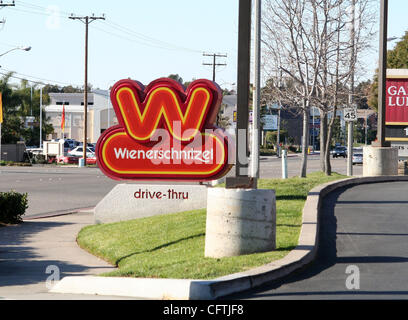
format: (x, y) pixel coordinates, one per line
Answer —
(363, 251)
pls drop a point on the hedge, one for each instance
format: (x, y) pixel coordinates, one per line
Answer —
(12, 207)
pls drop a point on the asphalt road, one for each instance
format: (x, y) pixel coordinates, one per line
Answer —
(54, 189)
(51, 189)
(363, 252)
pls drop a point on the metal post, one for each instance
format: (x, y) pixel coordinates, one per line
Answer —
(313, 130)
(366, 127)
(241, 179)
(86, 90)
(31, 100)
(278, 149)
(41, 116)
(244, 44)
(350, 148)
(351, 94)
(284, 164)
(256, 94)
(382, 73)
(109, 111)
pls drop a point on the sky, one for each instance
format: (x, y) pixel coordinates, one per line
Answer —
(143, 40)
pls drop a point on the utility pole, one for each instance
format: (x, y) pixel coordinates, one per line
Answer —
(86, 20)
(41, 107)
(214, 64)
(351, 94)
(12, 4)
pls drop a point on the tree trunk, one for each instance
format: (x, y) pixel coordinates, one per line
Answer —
(305, 142)
(328, 171)
(323, 139)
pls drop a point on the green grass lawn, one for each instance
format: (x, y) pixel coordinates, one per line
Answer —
(172, 245)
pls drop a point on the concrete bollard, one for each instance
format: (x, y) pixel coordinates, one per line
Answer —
(81, 162)
(284, 164)
(240, 221)
(380, 161)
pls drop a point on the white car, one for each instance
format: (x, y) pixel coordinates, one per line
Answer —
(79, 152)
(357, 158)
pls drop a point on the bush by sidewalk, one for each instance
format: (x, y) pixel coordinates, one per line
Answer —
(12, 207)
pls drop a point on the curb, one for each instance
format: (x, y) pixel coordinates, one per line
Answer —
(184, 289)
(58, 213)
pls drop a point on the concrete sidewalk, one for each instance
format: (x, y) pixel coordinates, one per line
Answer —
(28, 249)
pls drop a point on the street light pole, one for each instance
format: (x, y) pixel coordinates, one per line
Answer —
(351, 94)
(256, 96)
(16, 48)
(41, 101)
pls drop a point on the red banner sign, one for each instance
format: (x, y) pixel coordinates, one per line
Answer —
(396, 101)
(165, 132)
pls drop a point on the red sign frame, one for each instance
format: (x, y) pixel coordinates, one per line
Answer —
(165, 133)
(396, 103)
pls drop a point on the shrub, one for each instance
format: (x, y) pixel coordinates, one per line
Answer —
(11, 163)
(267, 152)
(12, 207)
(293, 148)
(39, 158)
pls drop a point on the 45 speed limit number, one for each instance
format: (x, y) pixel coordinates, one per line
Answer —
(350, 114)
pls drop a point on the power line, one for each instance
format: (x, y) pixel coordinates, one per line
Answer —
(36, 79)
(135, 36)
(144, 37)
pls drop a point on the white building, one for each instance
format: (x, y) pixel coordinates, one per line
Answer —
(99, 119)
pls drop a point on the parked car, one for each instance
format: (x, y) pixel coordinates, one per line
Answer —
(79, 152)
(67, 159)
(91, 160)
(357, 157)
(89, 145)
(340, 151)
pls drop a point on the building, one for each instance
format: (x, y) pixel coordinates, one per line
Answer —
(100, 115)
(291, 119)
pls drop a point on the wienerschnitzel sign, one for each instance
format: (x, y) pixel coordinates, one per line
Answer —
(165, 133)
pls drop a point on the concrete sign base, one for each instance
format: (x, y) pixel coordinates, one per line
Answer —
(380, 161)
(240, 221)
(132, 201)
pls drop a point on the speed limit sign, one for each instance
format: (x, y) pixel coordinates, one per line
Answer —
(350, 114)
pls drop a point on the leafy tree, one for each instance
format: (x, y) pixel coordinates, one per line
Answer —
(222, 121)
(176, 77)
(17, 105)
(397, 58)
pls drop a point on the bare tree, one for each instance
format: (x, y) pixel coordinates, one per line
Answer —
(290, 29)
(308, 40)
